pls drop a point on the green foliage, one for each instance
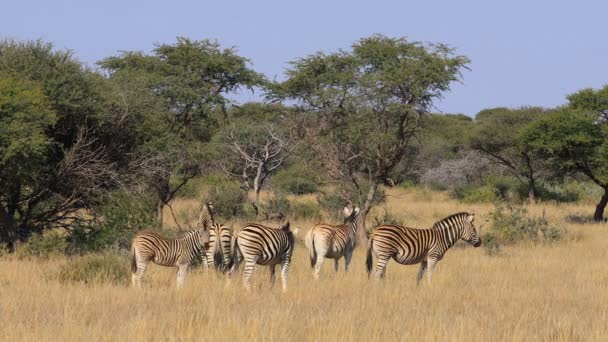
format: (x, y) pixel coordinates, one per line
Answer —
(298, 179)
(387, 218)
(228, 200)
(95, 268)
(43, 245)
(305, 210)
(277, 204)
(122, 214)
(476, 194)
(512, 225)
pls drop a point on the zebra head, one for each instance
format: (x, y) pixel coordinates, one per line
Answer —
(350, 213)
(469, 233)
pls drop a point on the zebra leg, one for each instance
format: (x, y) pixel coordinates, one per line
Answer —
(249, 266)
(381, 262)
(139, 274)
(284, 271)
(421, 272)
(320, 260)
(336, 264)
(181, 273)
(272, 275)
(431, 262)
(347, 258)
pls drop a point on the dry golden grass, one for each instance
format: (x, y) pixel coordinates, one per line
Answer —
(557, 292)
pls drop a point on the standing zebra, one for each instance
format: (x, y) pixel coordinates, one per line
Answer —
(409, 246)
(218, 254)
(334, 242)
(148, 246)
(258, 244)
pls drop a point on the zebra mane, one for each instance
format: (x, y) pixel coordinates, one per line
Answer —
(437, 225)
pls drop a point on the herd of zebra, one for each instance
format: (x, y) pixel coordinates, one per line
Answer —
(263, 245)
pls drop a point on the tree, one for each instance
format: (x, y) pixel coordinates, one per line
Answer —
(576, 139)
(53, 162)
(183, 84)
(255, 146)
(368, 105)
(498, 134)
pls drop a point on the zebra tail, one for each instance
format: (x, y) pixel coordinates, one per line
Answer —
(369, 260)
(218, 258)
(133, 259)
(310, 243)
(234, 251)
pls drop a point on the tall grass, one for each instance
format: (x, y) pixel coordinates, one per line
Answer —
(552, 292)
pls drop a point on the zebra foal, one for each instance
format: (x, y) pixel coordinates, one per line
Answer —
(149, 247)
(409, 246)
(262, 245)
(333, 242)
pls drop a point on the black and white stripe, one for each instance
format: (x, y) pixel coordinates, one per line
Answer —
(148, 246)
(334, 242)
(218, 254)
(409, 246)
(262, 245)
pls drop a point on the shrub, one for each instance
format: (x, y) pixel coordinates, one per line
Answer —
(297, 179)
(277, 204)
(192, 189)
(305, 210)
(96, 268)
(387, 218)
(476, 194)
(512, 225)
(43, 245)
(121, 215)
(228, 200)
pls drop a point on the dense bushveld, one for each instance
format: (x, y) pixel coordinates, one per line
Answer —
(529, 291)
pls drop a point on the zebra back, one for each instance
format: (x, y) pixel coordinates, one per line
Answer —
(267, 245)
(151, 246)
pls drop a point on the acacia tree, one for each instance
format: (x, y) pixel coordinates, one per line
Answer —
(575, 138)
(53, 163)
(253, 153)
(498, 134)
(189, 80)
(368, 104)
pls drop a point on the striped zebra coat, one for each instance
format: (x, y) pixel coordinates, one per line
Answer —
(333, 242)
(409, 246)
(218, 254)
(262, 245)
(150, 247)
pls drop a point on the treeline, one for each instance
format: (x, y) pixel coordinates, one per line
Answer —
(102, 152)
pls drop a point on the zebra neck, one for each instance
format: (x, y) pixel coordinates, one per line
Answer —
(352, 228)
(450, 235)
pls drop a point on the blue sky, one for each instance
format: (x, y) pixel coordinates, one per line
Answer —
(523, 52)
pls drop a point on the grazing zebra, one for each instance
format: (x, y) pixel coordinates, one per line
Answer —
(258, 244)
(334, 242)
(218, 254)
(148, 246)
(409, 246)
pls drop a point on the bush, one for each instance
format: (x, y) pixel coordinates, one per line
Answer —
(96, 268)
(476, 194)
(298, 179)
(192, 189)
(305, 210)
(122, 214)
(228, 200)
(43, 245)
(277, 204)
(387, 218)
(512, 225)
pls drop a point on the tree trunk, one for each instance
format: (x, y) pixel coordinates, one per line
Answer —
(369, 201)
(159, 213)
(8, 229)
(598, 216)
(531, 190)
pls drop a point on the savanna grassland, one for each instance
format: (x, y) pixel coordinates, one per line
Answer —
(544, 292)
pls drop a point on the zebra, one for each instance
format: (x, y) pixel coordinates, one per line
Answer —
(409, 246)
(149, 246)
(262, 245)
(333, 242)
(218, 254)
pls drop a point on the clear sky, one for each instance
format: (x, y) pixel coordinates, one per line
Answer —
(532, 52)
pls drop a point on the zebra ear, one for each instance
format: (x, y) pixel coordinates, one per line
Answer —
(357, 210)
(471, 218)
(347, 211)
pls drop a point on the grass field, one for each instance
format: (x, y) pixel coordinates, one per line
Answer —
(556, 292)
